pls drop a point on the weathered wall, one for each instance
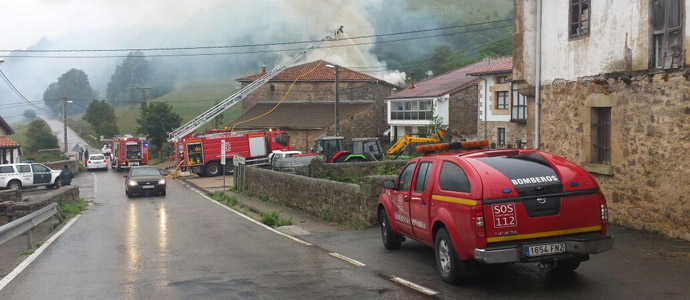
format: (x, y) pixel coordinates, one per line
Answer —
(58, 165)
(514, 131)
(462, 113)
(303, 139)
(12, 210)
(331, 200)
(10, 195)
(649, 184)
(318, 91)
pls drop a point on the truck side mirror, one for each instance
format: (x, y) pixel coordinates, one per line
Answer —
(388, 184)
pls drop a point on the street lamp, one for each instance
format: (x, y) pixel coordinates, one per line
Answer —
(64, 119)
(336, 68)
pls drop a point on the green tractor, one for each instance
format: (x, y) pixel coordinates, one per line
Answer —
(363, 149)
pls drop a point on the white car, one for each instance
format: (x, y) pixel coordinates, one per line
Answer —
(276, 155)
(97, 162)
(16, 176)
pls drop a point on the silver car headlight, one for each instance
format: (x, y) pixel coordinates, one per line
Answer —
(161, 182)
(132, 183)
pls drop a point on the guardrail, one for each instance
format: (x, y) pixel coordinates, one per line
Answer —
(28, 222)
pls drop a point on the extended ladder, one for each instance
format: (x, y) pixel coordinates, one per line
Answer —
(219, 108)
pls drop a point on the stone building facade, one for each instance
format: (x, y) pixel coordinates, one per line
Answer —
(614, 99)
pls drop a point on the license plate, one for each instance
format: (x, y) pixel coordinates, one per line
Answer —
(134, 164)
(148, 186)
(539, 250)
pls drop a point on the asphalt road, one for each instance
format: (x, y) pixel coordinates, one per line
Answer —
(184, 246)
(640, 266)
(73, 138)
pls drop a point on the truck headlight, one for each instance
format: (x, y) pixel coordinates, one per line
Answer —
(161, 182)
(132, 183)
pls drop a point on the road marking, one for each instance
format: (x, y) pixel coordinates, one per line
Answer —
(414, 286)
(254, 221)
(24, 264)
(95, 185)
(347, 259)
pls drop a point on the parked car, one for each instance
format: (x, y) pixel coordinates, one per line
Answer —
(97, 162)
(278, 154)
(17, 176)
(496, 206)
(144, 181)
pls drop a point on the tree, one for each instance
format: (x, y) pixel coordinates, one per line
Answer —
(133, 72)
(74, 85)
(29, 114)
(156, 120)
(40, 136)
(102, 118)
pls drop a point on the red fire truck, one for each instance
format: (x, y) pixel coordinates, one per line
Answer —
(128, 151)
(201, 154)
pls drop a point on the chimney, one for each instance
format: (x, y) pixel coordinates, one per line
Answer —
(412, 85)
(263, 69)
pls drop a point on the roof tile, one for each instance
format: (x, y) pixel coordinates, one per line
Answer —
(442, 84)
(503, 66)
(321, 73)
(6, 142)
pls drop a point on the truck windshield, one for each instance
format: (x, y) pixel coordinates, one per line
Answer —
(133, 152)
(282, 138)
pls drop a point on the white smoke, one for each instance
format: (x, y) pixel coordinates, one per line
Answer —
(395, 77)
(429, 73)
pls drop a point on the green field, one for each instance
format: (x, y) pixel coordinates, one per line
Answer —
(189, 101)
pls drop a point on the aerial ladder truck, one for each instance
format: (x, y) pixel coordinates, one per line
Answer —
(179, 136)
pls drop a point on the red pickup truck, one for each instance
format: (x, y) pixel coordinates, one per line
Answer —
(496, 206)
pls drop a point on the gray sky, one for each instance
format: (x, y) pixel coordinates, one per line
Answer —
(25, 22)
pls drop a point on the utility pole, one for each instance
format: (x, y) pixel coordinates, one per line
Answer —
(143, 95)
(337, 112)
(64, 120)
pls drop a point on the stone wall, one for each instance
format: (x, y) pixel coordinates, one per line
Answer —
(12, 210)
(514, 132)
(647, 183)
(462, 111)
(58, 165)
(319, 169)
(10, 195)
(344, 203)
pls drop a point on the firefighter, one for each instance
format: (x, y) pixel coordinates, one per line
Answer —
(66, 176)
(86, 155)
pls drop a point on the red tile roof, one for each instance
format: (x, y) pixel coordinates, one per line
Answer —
(6, 142)
(439, 85)
(321, 73)
(500, 65)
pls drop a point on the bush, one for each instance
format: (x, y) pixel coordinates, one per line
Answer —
(73, 208)
(273, 219)
(40, 137)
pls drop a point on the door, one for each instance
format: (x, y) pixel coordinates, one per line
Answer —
(420, 201)
(25, 174)
(401, 199)
(41, 174)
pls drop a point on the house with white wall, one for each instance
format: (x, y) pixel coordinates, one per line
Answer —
(451, 96)
(609, 84)
(502, 110)
(9, 149)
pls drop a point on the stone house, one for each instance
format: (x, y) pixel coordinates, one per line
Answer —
(451, 96)
(309, 106)
(502, 110)
(613, 95)
(9, 149)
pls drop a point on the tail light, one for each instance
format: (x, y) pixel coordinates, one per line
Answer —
(478, 221)
(604, 213)
(88, 162)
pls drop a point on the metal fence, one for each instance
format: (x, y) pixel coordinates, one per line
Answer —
(28, 223)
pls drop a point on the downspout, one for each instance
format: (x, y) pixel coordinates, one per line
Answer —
(537, 80)
(486, 135)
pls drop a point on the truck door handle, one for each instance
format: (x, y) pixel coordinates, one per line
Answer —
(416, 198)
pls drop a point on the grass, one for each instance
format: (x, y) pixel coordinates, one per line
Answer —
(73, 208)
(189, 101)
(221, 197)
(263, 197)
(387, 170)
(273, 219)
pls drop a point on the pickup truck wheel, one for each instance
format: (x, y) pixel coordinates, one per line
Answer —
(391, 241)
(213, 169)
(14, 185)
(56, 185)
(447, 260)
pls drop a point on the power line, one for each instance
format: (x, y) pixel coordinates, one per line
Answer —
(260, 51)
(17, 92)
(248, 45)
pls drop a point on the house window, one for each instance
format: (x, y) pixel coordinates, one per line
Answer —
(501, 139)
(667, 38)
(601, 141)
(502, 100)
(518, 111)
(411, 110)
(501, 79)
(580, 13)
